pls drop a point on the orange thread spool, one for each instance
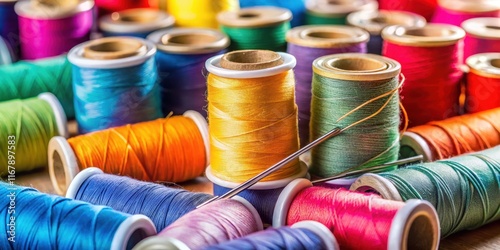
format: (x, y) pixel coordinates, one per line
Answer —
(454, 136)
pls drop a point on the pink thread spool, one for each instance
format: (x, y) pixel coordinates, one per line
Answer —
(50, 27)
(482, 35)
(457, 11)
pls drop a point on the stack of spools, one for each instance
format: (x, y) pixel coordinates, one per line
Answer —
(335, 12)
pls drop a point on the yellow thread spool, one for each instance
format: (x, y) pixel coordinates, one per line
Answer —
(198, 13)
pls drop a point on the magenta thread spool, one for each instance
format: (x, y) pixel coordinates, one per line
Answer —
(482, 36)
(49, 28)
(457, 11)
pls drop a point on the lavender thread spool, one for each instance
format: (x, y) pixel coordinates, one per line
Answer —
(309, 42)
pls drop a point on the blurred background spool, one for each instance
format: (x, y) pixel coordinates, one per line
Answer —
(181, 57)
(359, 94)
(397, 225)
(425, 8)
(27, 126)
(374, 21)
(309, 42)
(115, 82)
(245, 122)
(215, 223)
(197, 13)
(110, 6)
(135, 22)
(301, 235)
(482, 91)
(173, 149)
(464, 189)
(454, 136)
(26, 79)
(431, 58)
(86, 226)
(131, 196)
(297, 7)
(482, 35)
(9, 31)
(455, 12)
(51, 28)
(336, 11)
(6, 55)
(256, 28)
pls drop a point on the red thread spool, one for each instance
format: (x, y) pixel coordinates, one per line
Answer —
(430, 59)
(483, 83)
(424, 8)
(483, 35)
(358, 220)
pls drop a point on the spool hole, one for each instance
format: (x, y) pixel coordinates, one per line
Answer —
(380, 20)
(188, 39)
(59, 171)
(421, 234)
(137, 236)
(495, 63)
(251, 60)
(136, 16)
(367, 189)
(113, 48)
(429, 32)
(328, 35)
(358, 64)
(493, 27)
(248, 15)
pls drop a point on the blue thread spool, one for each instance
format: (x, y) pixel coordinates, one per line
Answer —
(59, 223)
(374, 21)
(181, 57)
(135, 22)
(115, 82)
(9, 31)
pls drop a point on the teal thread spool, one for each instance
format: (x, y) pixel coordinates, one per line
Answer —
(335, 11)
(256, 28)
(359, 94)
(464, 190)
(26, 128)
(26, 79)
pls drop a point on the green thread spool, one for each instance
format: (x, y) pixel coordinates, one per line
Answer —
(25, 130)
(357, 93)
(335, 11)
(256, 28)
(465, 190)
(25, 79)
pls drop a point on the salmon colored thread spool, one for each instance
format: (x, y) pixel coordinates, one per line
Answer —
(454, 136)
(137, 158)
(430, 59)
(483, 82)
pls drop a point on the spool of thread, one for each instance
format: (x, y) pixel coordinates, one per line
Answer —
(109, 6)
(374, 21)
(63, 223)
(360, 221)
(135, 22)
(454, 136)
(181, 57)
(28, 79)
(298, 8)
(455, 12)
(483, 82)
(173, 149)
(217, 222)
(359, 94)
(115, 82)
(301, 235)
(309, 42)
(483, 35)
(27, 126)
(52, 28)
(430, 57)
(464, 189)
(9, 31)
(256, 28)
(336, 11)
(198, 13)
(245, 121)
(425, 8)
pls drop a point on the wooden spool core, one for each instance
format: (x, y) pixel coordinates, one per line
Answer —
(136, 16)
(431, 35)
(57, 3)
(113, 48)
(189, 39)
(250, 60)
(254, 17)
(326, 36)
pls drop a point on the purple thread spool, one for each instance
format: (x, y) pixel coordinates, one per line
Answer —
(309, 42)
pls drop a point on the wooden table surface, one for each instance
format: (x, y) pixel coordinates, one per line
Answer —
(486, 237)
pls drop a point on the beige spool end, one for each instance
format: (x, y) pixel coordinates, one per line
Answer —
(469, 6)
(431, 35)
(63, 165)
(52, 9)
(254, 17)
(250, 60)
(189, 40)
(483, 27)
(374, 21)
(326, 36)
(113, 48)
(136, 20)
(339, 8)
(356, 67)
(485, 64)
